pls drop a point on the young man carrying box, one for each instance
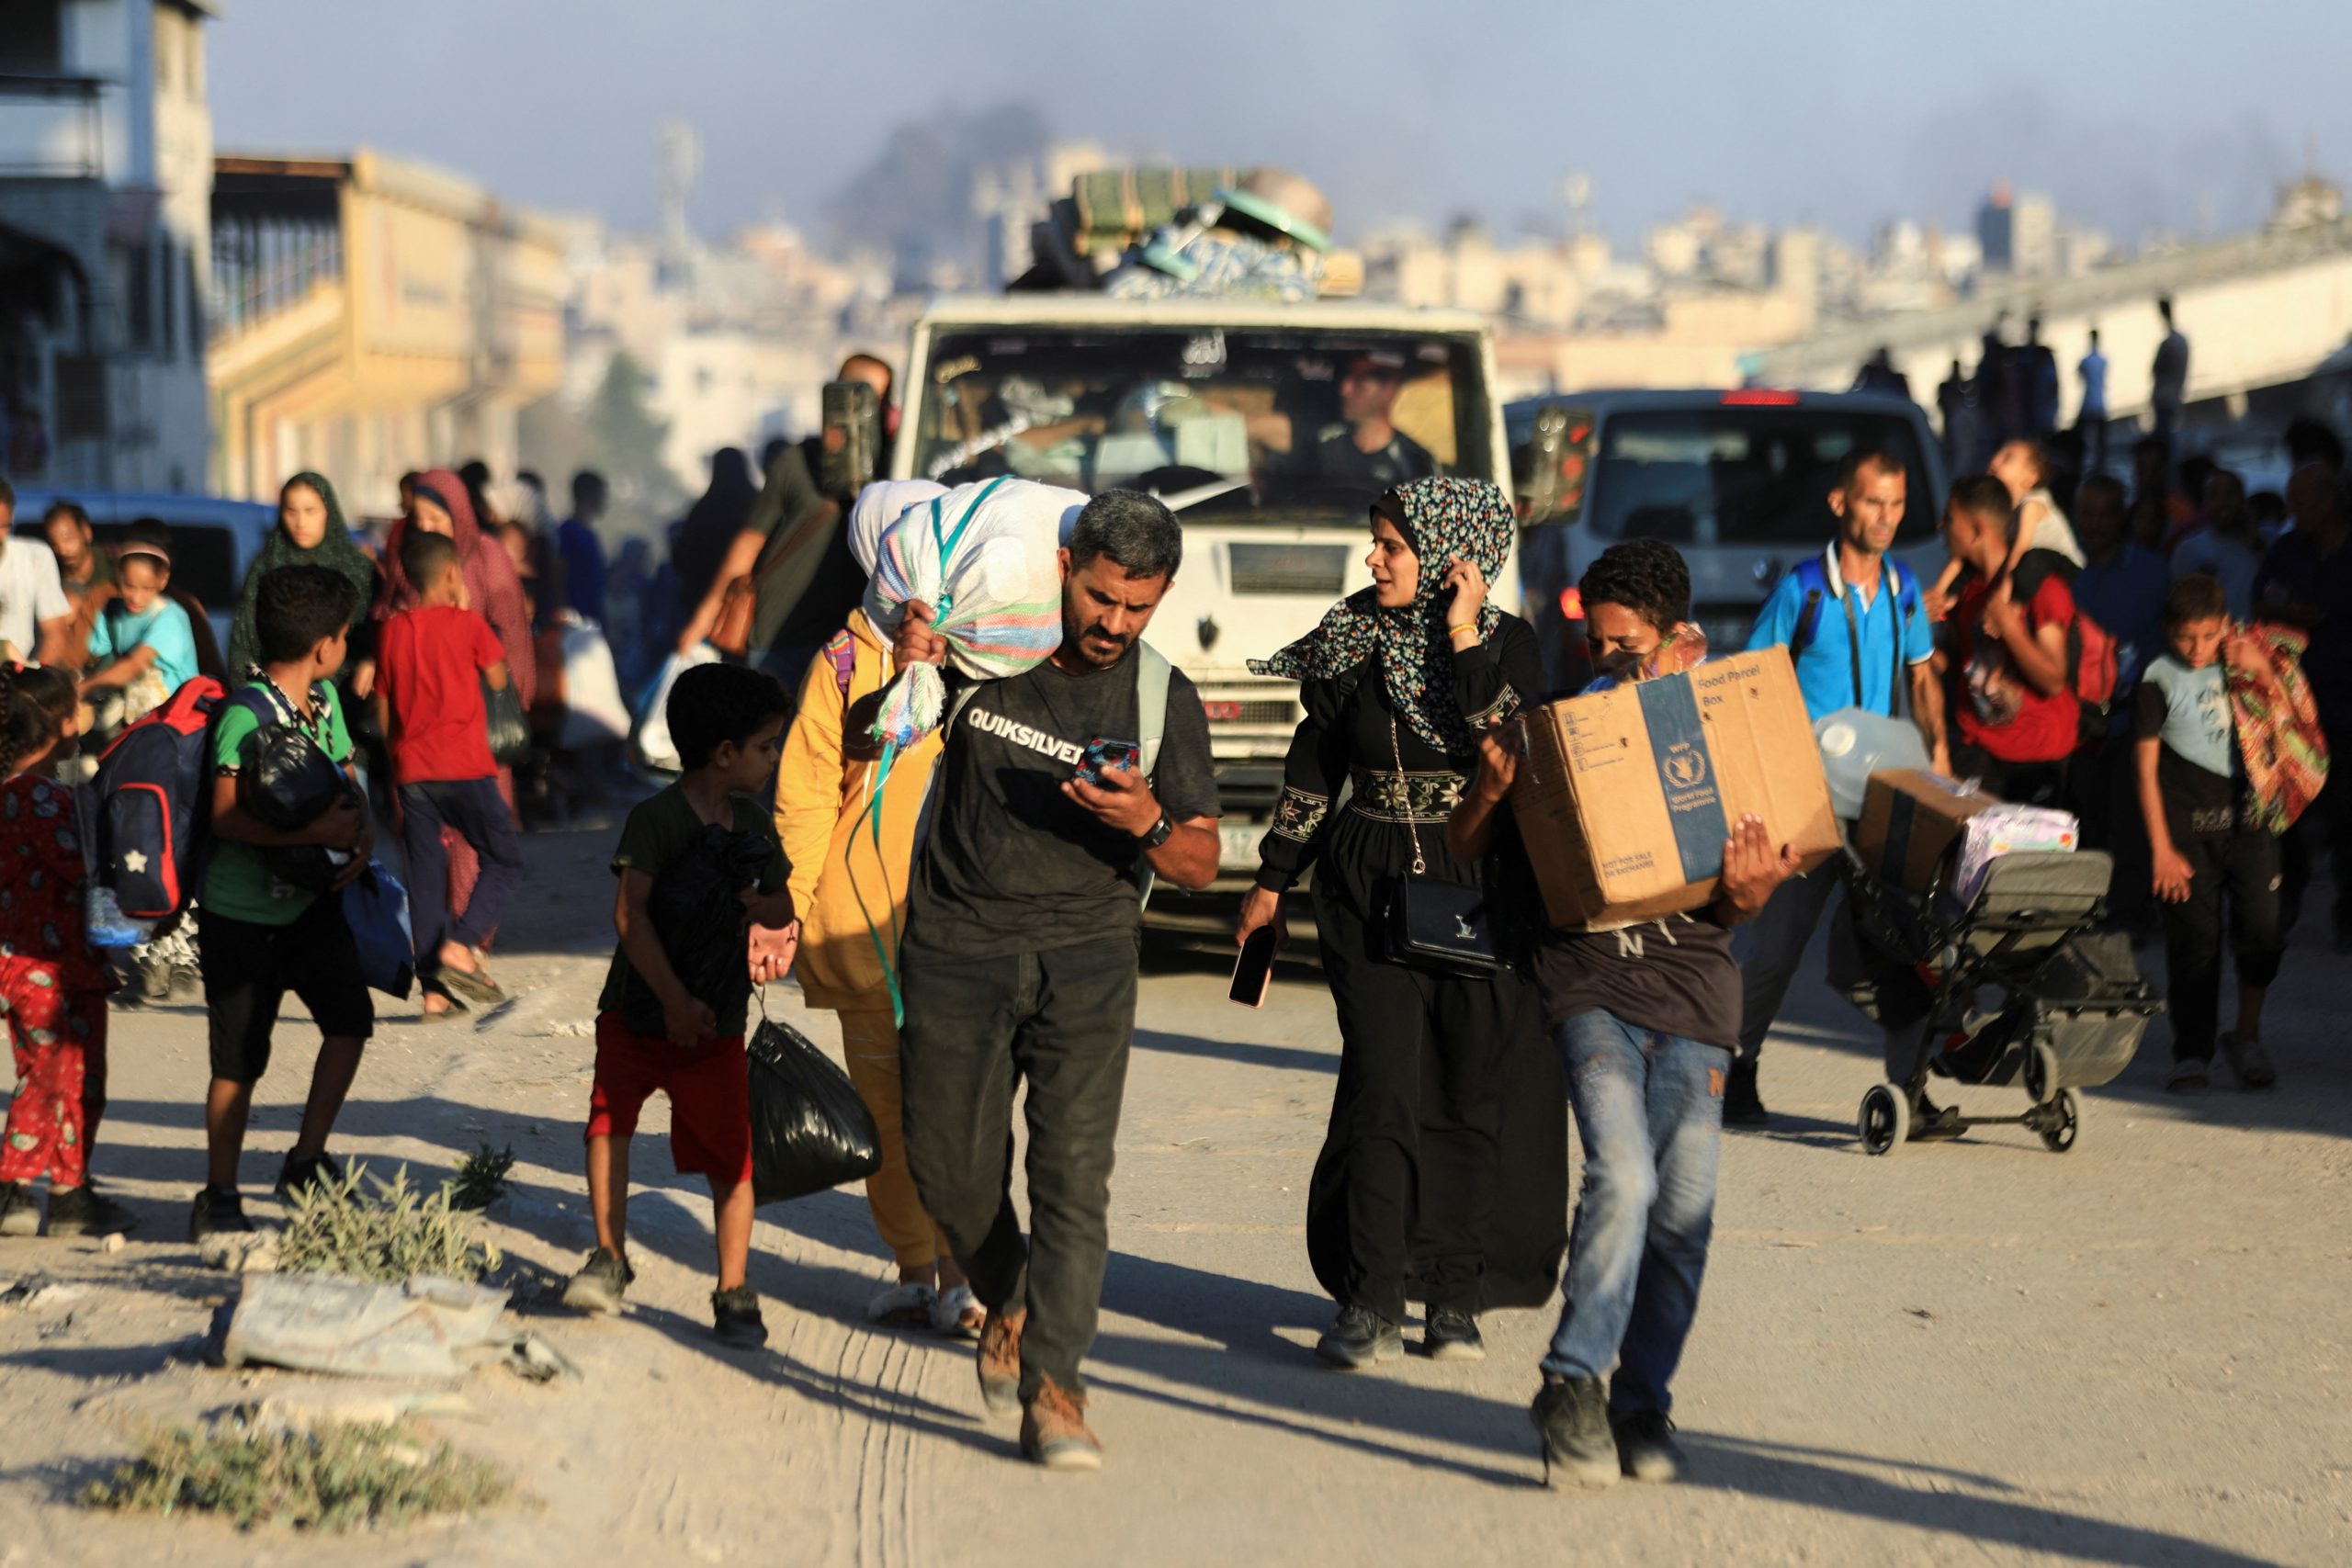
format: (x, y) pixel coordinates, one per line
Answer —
(1645, 1018)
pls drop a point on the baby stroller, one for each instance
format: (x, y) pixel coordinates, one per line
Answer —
(2073, 1005)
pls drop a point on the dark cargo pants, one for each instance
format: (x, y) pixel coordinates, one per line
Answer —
(1062, 1020)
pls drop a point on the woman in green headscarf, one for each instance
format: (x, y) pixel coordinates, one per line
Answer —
(309, 532)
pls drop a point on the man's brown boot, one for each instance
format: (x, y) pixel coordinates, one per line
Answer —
(999, 1359)
(1054, 1432)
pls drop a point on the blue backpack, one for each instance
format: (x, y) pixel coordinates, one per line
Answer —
(1814, 577)
(148, 809)
(147, 815)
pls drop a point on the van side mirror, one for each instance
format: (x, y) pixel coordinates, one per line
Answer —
(1559, 459)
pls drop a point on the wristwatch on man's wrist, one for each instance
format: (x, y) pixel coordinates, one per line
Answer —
(1157, 834)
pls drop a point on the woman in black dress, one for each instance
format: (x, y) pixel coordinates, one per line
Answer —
(1443, 1175)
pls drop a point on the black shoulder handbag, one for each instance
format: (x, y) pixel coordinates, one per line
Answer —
(1435, 925)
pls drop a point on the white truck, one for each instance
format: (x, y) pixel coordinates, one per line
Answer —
(1269, 427)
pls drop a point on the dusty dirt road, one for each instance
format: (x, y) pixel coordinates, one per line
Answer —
(2133, 1353)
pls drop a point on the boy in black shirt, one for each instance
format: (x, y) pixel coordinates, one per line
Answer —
(1646, 1020)
(1020, 957)
(728, 725)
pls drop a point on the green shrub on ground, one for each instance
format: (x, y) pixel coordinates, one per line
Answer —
(482, 1177)
(338, 1478)
(332, 1227)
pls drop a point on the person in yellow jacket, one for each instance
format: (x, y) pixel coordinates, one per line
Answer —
(852, 894)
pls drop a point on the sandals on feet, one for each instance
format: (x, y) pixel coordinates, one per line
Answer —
(959, 1314)
(909, 1303)
(473, 985)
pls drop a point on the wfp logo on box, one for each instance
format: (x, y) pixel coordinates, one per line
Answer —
(1683, 767)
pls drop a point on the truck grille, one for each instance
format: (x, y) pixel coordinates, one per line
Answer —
(1319, 569)
(1256, 710)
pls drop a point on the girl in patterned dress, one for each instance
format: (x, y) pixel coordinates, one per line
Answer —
(52, 988)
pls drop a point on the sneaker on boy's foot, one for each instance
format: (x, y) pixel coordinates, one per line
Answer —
(306, 1170)
(1000, 1361)
(85, 1211)
(1054, 1432)
(2191, 1074)
(1645, 1446)
(1359, 1337)
(19, 1210)
(600, 1285)
(1743, 1107)
(2247, 1059)
(1452, 1334)
(1571, 1416)
(735, 1318)
(218, 1211)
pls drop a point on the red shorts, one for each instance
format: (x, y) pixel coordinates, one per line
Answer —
(709, 1087)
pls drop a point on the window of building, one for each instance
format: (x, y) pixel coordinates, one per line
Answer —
(34, 40)
(167, 289)
(196, 329)
(134, 289)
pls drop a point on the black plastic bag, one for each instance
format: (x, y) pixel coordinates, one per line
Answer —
(288, 784)
(697, 912)
(809, 1129)
(510, 732)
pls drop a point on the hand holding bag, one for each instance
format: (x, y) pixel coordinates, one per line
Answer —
(1435, 925)
(809, 1129)
(510, 733)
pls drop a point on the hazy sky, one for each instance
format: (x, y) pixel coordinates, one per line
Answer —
(2133, 115)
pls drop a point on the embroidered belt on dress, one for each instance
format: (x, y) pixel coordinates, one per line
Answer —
(1388, 797)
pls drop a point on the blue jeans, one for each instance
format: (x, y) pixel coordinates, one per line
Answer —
(1649, 1109)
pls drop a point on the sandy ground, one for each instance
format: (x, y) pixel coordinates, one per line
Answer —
(2133, 1353)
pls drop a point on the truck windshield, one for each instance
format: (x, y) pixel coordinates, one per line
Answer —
(1740, 476)
(1240, 424)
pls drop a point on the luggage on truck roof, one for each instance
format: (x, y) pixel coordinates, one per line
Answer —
(1152, 217)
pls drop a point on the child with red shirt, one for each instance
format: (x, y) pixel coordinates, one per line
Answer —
(52, 988)
(2013, 700)
(430, 670)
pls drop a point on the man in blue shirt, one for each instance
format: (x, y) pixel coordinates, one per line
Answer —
(581, 551)
(2090, 420)
(1854, 625)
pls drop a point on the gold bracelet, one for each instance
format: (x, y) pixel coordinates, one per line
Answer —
(1470, 626)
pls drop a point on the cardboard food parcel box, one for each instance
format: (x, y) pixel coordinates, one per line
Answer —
(1626, 796)
(1910, 820)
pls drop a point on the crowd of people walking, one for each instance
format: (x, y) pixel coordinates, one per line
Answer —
(968, 906)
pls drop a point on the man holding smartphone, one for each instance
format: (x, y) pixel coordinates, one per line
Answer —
(1020, 958)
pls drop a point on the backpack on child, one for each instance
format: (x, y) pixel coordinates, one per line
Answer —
(148, 810)
(2093, 670)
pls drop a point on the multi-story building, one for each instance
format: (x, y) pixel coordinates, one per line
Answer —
(370, 316)
(106, 184)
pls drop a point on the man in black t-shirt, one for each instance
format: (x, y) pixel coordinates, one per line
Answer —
(1020, 955)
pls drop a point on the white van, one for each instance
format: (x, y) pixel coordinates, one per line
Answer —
(1231, 411)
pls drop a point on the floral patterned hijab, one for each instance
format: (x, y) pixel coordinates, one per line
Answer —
(1441, 518)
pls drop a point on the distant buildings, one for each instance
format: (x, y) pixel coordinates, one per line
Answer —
(106, 178)
(736, 341)
(372, 315)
